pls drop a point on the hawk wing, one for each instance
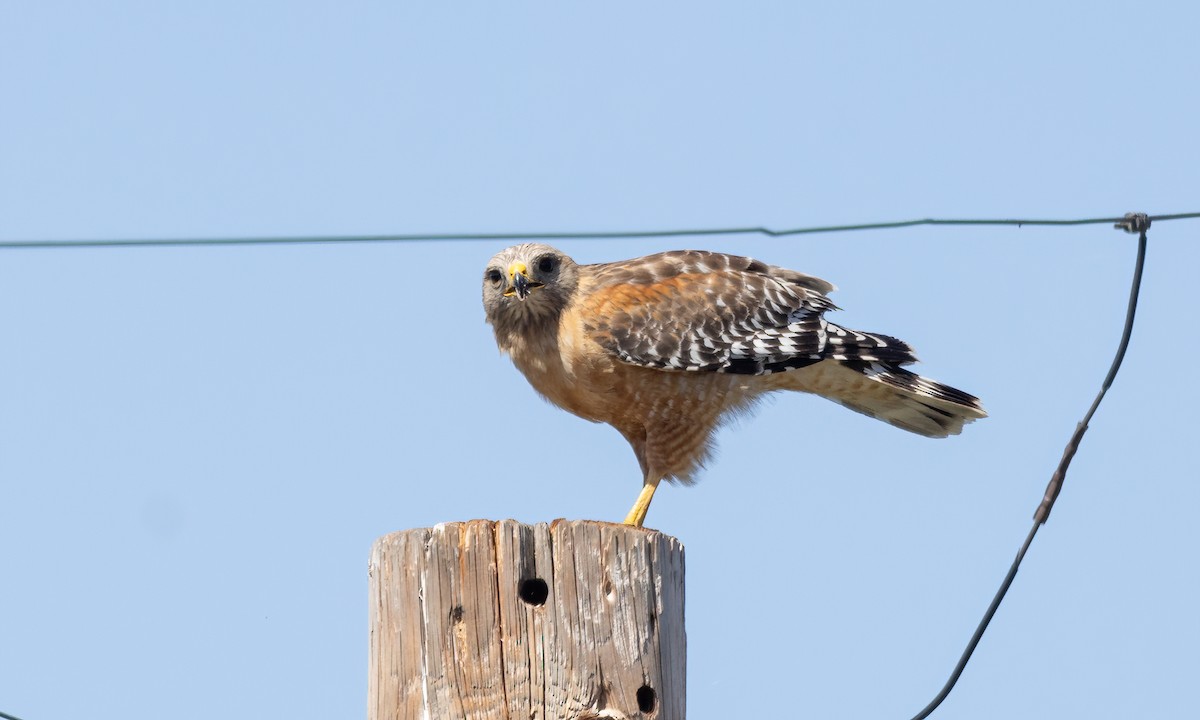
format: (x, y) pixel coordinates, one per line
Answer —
(703, 311)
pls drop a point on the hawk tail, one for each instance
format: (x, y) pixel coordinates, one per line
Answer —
(902, 398)
(863, 371)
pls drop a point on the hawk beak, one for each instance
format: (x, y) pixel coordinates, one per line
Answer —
(519, 283)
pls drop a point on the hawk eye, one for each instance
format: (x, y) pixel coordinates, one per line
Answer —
(546, 264)
(494, 276)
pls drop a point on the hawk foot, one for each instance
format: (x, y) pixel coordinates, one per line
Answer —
(637, 515)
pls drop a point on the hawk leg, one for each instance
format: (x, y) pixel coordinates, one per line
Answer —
(637, 515)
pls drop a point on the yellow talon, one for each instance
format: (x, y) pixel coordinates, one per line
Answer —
(637, 515)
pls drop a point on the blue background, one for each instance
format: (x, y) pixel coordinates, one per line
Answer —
(198, 445)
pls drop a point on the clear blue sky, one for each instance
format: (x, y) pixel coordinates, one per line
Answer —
(198, 445)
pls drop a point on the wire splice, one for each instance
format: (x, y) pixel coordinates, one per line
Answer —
(1132, 223)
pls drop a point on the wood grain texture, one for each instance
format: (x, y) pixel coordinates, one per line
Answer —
(461, 628)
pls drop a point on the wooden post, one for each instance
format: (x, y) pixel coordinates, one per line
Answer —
(574, 620)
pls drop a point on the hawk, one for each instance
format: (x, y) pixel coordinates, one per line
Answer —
(664, 347)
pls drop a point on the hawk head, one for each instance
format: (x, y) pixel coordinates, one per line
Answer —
(527, 285)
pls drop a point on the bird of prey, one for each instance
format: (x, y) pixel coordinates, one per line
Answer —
(664, 347)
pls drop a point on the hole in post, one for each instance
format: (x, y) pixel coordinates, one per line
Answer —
(646, 698)
(533, 591)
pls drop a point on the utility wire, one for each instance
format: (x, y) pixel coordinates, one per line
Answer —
(587, 235)
(1133, 222)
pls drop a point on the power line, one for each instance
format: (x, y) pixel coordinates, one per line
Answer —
(1133, 223)
(585, 235)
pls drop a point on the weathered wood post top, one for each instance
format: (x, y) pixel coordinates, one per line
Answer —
(572, 620)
